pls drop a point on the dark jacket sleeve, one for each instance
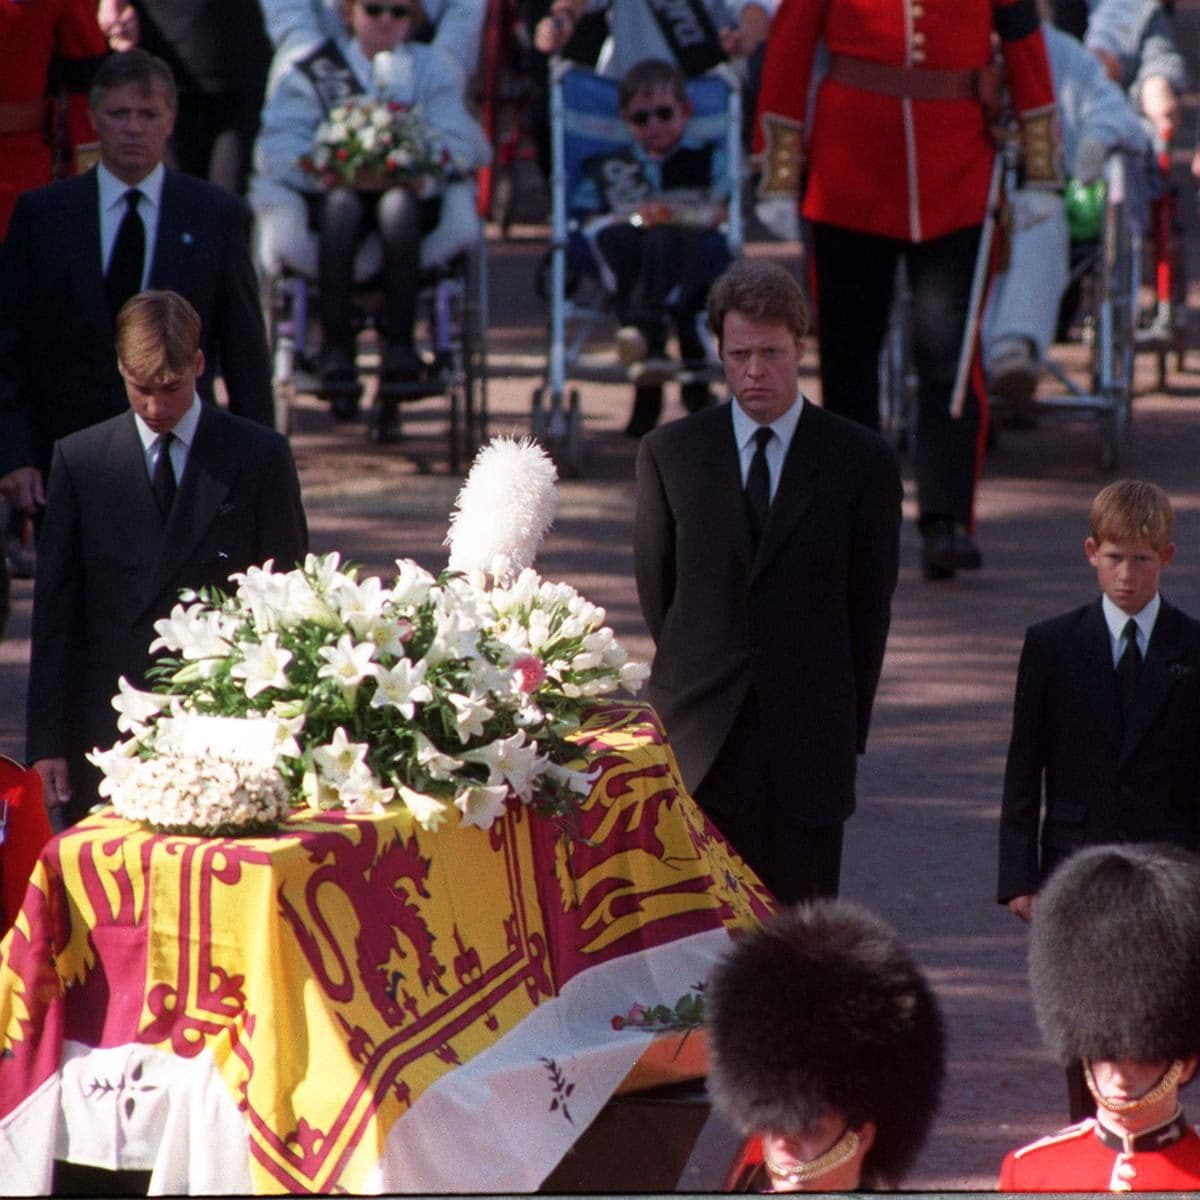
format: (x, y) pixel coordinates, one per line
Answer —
(244, 356)
(282, 523)
(1021, 805)
(874, 569)
(653, 542)
(56, 649)
(16, 427)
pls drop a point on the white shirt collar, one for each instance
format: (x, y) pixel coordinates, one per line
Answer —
(1115, 618)
(112, 189)
(184, 431)
(745, 426)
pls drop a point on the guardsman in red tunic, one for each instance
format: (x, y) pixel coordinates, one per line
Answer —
(1114, 964)
(897, 158)
(827, 1051)
(33, 34)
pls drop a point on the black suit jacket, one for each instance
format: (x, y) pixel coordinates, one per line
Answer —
(58, 368)
(804, 621)
(1101, 783)
(108, 568)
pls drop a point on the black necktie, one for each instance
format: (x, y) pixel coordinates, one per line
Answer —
(163, 482)
(1129, 668)
(128, 257)
(758, 485)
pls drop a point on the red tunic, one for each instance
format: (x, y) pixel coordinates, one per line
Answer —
(901, 167)
(32, 34)
(1079, 1159)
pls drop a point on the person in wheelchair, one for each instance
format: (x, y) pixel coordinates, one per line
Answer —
(651, 212)
(1096, 119)
(320, 225)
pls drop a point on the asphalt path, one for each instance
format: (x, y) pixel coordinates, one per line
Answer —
(921, 849)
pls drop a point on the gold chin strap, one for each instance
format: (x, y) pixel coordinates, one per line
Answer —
(840, 1153)
(1164, 1087)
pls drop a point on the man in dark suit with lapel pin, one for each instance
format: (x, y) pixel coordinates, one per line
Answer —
(171, 494)
(766, 548)
(76, 250)
(1105, 740)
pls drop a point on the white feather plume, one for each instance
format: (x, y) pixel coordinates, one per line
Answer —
(503, 510)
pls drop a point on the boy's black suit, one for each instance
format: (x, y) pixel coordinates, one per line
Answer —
(58, 368)
(797, 629)
(1103, 783)
(108, 567)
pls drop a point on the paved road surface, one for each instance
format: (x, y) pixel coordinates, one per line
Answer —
(921, 849)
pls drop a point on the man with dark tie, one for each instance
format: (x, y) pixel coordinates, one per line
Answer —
(170, 494)
(766, 547)
(1105, 743)
(76, 250)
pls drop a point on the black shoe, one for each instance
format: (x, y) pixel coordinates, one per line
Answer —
(402, 364)
(939, 556)
(338, 381)
(966, 553)
(647, 408)
(384, 425)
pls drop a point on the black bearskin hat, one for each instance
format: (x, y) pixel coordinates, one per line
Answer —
(823, 1008)
(1114, 955)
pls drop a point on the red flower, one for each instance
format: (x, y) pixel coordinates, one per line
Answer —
(530, 672)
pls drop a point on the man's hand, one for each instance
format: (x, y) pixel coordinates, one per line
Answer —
(553, 32)
(118, 21)
(780, 217)
(1160, 106)
(1023, 906)
(56, 785)
(742, 40)
(23, 489)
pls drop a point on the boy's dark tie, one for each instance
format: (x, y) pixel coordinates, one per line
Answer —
(163, 482)
(128, 258)
(758, 485)
(1129, 669)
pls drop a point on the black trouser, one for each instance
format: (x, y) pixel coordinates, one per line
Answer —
(855, 279)
(663, 261)
(741, 797)
(343, 217)
(214, 136)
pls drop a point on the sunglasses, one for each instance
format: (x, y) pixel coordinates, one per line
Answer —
(396, 11)
(641, 117)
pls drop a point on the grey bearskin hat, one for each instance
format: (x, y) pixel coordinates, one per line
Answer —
(1114, 955)
(823, 1008)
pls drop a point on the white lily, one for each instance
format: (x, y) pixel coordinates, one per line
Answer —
(428, 811)
(470, 714)
(402, 686)
(263, 665)
(348, 663)
(481, 804)
(336, 760)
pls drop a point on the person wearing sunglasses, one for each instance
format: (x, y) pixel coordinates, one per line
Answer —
(650, 210)
(323, 231)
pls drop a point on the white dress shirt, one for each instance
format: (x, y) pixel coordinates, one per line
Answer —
(112, 210)
(1116, 619)
(185, 434)
(784, 427)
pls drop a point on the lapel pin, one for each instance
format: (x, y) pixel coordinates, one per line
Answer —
(187, 239)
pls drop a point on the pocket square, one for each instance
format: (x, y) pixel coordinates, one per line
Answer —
(226, 510)
(1179, 670)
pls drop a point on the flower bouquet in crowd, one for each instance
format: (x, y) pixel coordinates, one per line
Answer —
(376, 144)
(450, 695)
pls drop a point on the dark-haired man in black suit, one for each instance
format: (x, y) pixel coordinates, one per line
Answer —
(766, 548)
(60, 288)
(171, 494)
